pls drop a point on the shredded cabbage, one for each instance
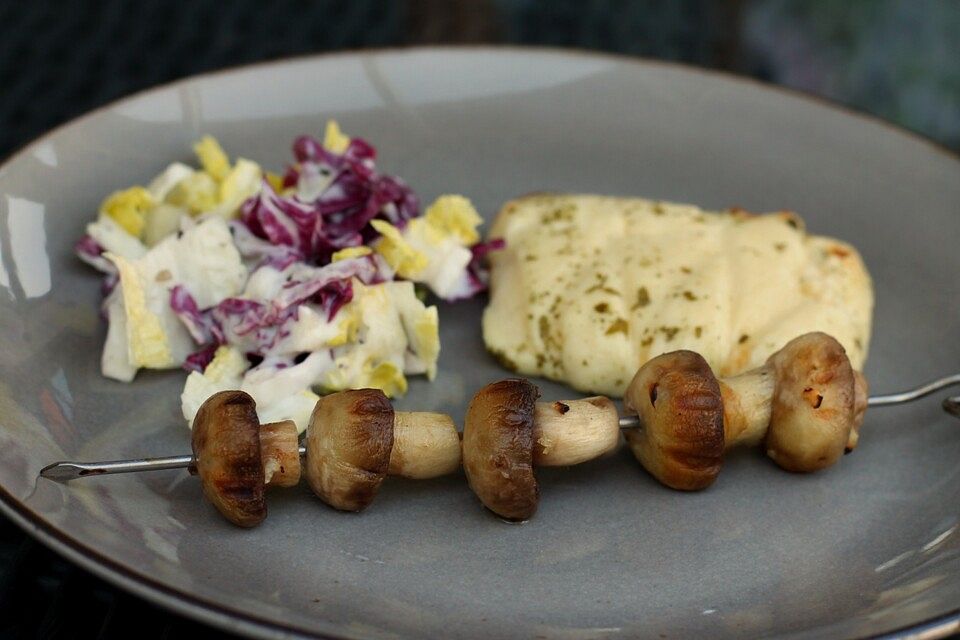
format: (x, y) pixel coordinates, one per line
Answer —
(258, 324)
(336, 195)
(278, 285)
(155, 336)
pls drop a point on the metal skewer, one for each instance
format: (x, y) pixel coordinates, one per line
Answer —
(70, 470)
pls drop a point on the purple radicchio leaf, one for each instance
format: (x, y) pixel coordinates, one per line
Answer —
(90, 251)
(200, 360)
(257, 326)
(337, 195)
(477, 275)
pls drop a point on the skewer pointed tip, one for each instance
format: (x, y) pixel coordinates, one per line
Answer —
(65, 470)
(61, 471)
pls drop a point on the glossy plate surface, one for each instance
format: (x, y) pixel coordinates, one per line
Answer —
(869, 546)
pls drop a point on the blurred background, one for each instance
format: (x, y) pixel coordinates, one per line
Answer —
(896, 59)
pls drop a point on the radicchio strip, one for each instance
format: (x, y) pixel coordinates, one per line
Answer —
(336, 196)
(256, 326)
(90, 251)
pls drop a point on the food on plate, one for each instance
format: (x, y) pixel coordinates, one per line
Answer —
(683, 416)
(349, 441)
(805, 406)
(280, 453)
(507, 432)
(355, 439)
(226, 448)
(280, 286)
(425, 445)
(588, 288)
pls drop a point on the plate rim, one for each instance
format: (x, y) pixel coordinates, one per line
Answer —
(238, 621)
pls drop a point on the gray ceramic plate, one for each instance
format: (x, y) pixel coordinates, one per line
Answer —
(869, 546)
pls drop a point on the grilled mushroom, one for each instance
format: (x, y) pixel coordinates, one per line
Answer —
(226, 446)
(507, 432)
(804, 406)
(861, 392)
(349, 440)
(679, 401)
(814, 407)
(498, 448)
(819, 362)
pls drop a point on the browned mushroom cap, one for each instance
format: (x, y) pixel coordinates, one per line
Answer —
(679, 402)
(349, 439)
(226, 445)
(813, 410)
(861, 391)
(498, 448)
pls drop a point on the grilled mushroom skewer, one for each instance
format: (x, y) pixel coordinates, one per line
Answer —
(805, 405)
(354, 440)
(507, 432)
(235, 457)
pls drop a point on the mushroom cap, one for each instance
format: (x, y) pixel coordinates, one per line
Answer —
(349, 440)
(498, 443)
(679, 402)
(861, 391)
(226, 446)
(814, 407)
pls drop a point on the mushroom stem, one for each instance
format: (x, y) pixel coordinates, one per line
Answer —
(747, 405)
(425, 445)
(280, 454)
(574, 431)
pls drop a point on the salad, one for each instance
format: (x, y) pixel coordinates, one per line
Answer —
(281, 285)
